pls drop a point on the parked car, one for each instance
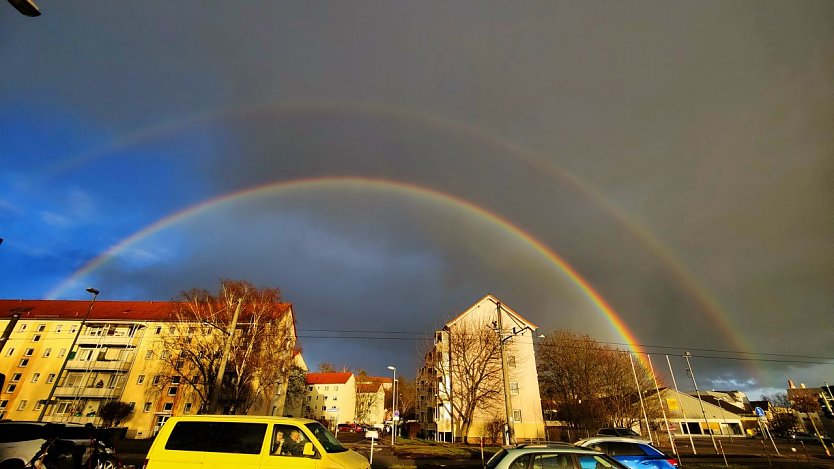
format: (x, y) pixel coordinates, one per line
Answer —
(556, 456)
(21, 440)
(806, 437)
(349, 427)
(246, 441)
(618, 431)
(631, 452)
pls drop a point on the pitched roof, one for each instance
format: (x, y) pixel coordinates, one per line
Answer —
(515, 317)
(328, 378)
(368, 388)
(377, 379)
(102, 310)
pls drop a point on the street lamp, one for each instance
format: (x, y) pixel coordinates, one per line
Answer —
(393, 404)
(48, 400)
(26, 7)
(686, 356)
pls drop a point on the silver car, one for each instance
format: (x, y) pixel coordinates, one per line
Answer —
(551, 456)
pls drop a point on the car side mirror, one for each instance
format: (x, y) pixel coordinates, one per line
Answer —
(308, 450)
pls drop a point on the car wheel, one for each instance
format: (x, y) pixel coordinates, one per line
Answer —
(106, 463)
(12, 464)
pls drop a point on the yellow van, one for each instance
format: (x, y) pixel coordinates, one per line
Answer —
(248, 442)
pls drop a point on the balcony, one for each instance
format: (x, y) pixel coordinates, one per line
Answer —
(92, 393)
(99, 365)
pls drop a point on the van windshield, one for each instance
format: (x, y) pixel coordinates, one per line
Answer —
(327, 440)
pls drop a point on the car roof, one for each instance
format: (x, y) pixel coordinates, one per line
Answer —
(551, 448)
(240, 418)
(620, 439)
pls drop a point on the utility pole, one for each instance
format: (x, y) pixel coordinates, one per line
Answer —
(680, 406)
(508, 434)
(218, 382)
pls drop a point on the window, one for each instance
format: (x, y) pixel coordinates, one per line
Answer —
(59, 328)
(140, 379)
(616, 448)
(513, 388)
(327, 388)
(336, 398)
(323, 408)
(47, 352)
(157, 330)
(36, 377)
(309, 388)
(50, 378)
(147, 407)
(16, 377)
(309, 398)
(36, 338)
(73, 329)
(238, 437)
(511, 361)
(38, 406)
(517, 415)
(163, 355)
(22, 327)
(167, 406)
(149, 355)
(10, 388)
(335, 388)
(62, 353)
(4, 403)
(23, 362)
(22, 404)
(175, 379)
(172, 391)
(155, 380)
(10, 352)
(187, 408)
(41, 327)
(28, 352)
(179, 364)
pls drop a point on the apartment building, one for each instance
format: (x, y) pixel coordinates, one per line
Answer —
(331, 397)
(115, 351)
(497, 343)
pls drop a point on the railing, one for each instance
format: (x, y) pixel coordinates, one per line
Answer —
(98, 365)
(125, 340)
(85, 392)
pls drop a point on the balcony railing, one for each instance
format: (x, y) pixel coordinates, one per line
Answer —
(88, 392)
(98, 365)
(124, 340)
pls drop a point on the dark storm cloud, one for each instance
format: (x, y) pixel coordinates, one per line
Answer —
(706, 125)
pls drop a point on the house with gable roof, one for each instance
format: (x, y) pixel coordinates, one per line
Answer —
(507, 382)
(331, 397)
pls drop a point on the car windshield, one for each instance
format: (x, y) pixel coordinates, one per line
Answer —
(327, 440)
(495, 459)
(598, 461)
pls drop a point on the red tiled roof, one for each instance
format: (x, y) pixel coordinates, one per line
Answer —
(377, 379)
(328, 378)
(368, 388)
(102, 310)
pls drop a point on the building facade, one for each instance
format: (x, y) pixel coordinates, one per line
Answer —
(84, 358)
(497, 342)
(331, 398)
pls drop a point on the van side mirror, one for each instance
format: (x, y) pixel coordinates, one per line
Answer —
(308, 449)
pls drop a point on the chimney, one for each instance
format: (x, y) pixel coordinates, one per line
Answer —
(791, 385)
(801, 385)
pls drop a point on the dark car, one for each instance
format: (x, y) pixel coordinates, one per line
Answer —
(806, 437)
(631, 452)
(618, 431)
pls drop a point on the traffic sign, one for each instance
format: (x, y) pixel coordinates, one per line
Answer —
(759, 412)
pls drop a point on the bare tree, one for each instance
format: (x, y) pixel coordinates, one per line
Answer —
(592, 385)
(470, 359)
(407, 397)
(260, 346)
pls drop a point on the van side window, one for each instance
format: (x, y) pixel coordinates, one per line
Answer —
(217, 437)
(288, 440)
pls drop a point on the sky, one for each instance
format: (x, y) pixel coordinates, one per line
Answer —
(644, 172)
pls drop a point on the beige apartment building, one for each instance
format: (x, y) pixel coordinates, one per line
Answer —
(506, 377)
(117, 355)
(331, 397)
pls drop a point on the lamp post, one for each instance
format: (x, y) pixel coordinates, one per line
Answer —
(69, 353)
(393, 403)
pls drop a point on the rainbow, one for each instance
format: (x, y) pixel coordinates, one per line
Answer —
(699, 294)
(361, 183)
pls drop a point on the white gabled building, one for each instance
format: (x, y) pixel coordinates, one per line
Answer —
(441, 381)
